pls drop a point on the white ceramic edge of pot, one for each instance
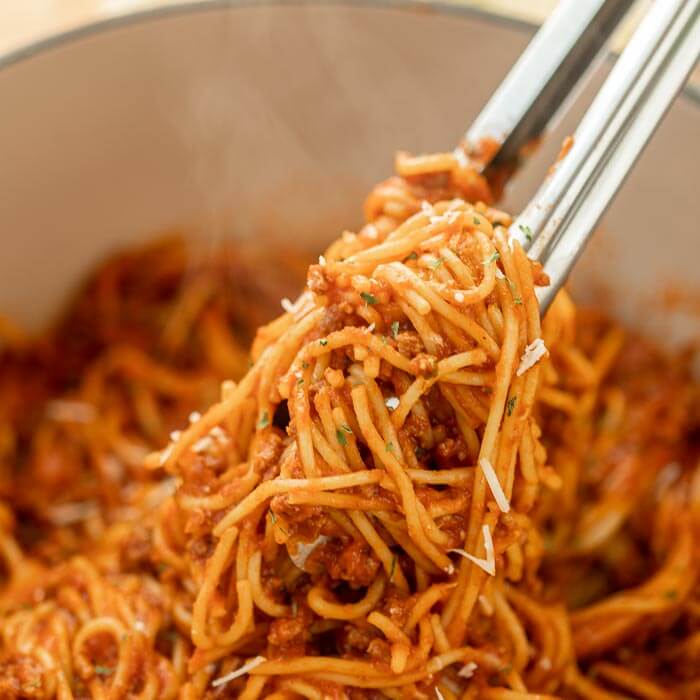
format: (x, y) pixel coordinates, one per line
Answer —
(94, 26)
(180, 7)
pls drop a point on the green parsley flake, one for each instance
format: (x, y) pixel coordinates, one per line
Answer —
(341, 437)
(323, 342)
(264, 420)
(368, 298)
(495, 256)
(518, 300)
(346, 428)
(273, 518)
(395, 330)
(389, 446)
(477, 220)
(511, 405)
(436, 263)
(412, 256)
(393, 568)
(527, 231)
(103, 671)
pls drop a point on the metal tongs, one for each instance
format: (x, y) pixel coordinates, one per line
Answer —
(557, 223)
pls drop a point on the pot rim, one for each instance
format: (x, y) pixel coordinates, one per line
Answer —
(183, 7)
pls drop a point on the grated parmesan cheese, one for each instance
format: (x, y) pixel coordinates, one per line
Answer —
(392, 403)
(371, 327)
(304, 549)
(467, 671)
(371, 232)
(459, 297)
(175, 435)
(534, 352)
(195, 416)
(246, 668)
(218, 432)
(494, 484)
(438, 694)
(499, 275)
(489, 563)
(321, 260)
(165, 455)
(203, 445)
(461, 157)
(287, 305)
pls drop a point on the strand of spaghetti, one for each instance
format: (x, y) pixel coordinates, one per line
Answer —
(243, 620)
(406, 165)
(469, 378)
(425, 602)
(400, 276)
(386, 681)
(403, 240)
(391, 440)
(260, 596)
(504, 371)
(214, 568)
(301, 687)
(416, 313)
(340, 500)
(300, 412)
(458, 607)
(505, 694)
(469, 294)
(213, 417)
(518, 639)
(398, 532)
(390, 630)
(253, 688)
(317, 599)
(358, 336)
(322, 403)
(280, 355)
(635, 683)
(384, 554)
(408, 498)
(241, 486)
(446, 477)
(328, 454)
(268, 489)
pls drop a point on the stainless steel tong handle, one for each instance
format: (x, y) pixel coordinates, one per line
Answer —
(556, 59)
(652, 69)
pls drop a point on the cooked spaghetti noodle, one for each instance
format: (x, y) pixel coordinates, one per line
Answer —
(417, 490)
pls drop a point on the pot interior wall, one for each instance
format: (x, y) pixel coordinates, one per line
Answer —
(274, 121)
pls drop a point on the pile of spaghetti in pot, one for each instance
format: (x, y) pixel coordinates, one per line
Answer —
(417, 490)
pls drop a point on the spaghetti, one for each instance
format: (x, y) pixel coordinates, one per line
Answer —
(417, 490)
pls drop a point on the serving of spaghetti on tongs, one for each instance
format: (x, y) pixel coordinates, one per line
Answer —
(559, 220)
